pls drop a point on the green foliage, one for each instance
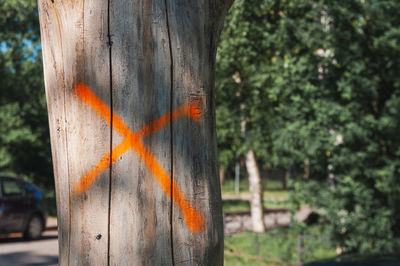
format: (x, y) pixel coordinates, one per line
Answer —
(314, 79)
(24, 136)
(319, 82)
(240, 92)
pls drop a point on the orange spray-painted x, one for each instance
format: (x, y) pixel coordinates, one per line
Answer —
(133, 140)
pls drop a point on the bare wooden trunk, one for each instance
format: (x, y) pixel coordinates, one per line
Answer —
(221, 175)
(237, 175)
(256, 201)
(129, 86)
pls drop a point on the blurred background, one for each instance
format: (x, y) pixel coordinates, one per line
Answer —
(308, 125)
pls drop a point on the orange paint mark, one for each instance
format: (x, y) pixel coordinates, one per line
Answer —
(192, 217)
(101, 108)
(104, 163)
(195, 111)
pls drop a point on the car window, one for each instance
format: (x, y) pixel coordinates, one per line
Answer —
(11, 187)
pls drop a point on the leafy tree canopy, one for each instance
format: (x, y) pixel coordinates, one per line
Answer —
(314, 80)
(24, 136)
(319, 82)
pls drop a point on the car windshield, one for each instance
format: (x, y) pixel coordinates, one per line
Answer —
(11, 187)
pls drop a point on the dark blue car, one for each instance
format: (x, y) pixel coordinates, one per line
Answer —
(22, 208)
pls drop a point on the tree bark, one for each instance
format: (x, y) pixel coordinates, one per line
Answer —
(237, 174)
(256, 191)
(256, 202)
(130, 91)
(306, 175)
(221, 175)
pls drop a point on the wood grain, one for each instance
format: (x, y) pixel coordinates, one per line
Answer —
(194, 28)
(54, 83)
(75, 50)
(141, 94)
(158, 202)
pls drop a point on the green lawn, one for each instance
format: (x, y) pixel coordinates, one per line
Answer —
(277, 247)
(274, 196)
(268, 185)
(244, 205)
(235, 205)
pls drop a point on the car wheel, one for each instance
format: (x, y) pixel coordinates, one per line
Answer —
(34, 228)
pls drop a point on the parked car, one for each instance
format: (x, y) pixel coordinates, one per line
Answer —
(22, 208)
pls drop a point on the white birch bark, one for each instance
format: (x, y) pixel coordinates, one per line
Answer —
(256, 206)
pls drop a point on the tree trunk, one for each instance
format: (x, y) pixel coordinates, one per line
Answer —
(221, 174)
(256, 191)
(306, 175)
(256, 202)
(285, 178)
(237, 175)
(130, 91)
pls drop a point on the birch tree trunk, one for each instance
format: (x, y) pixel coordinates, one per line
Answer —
(256, 191)
(237, 175)
(130, 92)
(256, 202)
(221, 174)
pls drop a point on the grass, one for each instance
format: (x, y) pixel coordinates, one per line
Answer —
(244, 205)
(235, 205)
(268, 185)
(274, 195)
(277, 247)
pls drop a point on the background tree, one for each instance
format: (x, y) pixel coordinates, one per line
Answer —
(244, 127)
(320, 83)
(360, 108)
(24, 136)
(321, 78)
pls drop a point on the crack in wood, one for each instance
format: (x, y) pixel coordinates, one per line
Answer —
(111, 134)
(171, 131)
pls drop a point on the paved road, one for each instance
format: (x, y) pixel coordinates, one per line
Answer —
(16, 251)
